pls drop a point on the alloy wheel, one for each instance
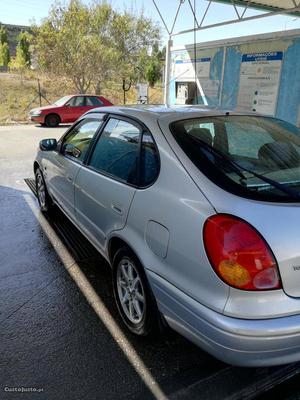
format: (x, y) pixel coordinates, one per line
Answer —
(130, 291)
(41, 190)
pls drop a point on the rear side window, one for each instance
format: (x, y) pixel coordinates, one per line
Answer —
(117, 151)
(93, 101)
(149, 160)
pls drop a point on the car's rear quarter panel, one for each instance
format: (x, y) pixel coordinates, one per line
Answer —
(277, 223)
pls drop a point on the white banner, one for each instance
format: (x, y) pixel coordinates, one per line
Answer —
(185, 69)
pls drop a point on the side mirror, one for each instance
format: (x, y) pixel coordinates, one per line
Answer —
(48, 144)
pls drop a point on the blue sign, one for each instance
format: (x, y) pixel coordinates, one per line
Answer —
(268, 56)
(207, 59)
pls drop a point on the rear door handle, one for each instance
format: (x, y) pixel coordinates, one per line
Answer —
(117, 209)
(69, 178)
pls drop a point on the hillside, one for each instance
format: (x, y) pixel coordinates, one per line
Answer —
(17, 95)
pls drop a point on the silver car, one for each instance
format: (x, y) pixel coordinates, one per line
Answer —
(198, 213)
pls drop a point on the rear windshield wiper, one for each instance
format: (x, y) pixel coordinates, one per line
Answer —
(239, 169)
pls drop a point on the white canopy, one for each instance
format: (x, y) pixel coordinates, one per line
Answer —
(284, 6)
(265, 8)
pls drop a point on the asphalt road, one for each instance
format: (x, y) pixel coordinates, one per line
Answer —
(60, 333)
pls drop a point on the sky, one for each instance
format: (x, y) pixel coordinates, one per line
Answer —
(23, 12)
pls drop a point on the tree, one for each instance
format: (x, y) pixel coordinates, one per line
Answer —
(134, 37)
(72, 42)
(22, 59)
(155, 65)
(23, 47)
(153, 72)
(3, 35)
(92, 43)
(4, 48)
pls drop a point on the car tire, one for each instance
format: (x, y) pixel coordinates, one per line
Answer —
(133, 295)
(52, 120)
(42, 194)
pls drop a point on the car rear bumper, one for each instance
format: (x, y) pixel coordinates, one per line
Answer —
(39, 119)
(244, 342)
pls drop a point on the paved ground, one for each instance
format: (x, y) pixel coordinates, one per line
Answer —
(59, 329)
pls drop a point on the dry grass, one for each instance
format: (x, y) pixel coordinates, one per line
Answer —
(17, 94)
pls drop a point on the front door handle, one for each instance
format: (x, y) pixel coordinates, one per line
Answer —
(69, 178)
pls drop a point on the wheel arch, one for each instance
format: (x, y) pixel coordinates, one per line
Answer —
(53, 113)
(115, 243)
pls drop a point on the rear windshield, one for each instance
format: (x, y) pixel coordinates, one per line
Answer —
(254, 157)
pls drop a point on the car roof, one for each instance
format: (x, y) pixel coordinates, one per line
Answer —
(85, 95)
(165, 112)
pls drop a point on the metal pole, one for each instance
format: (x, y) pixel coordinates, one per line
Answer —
(40, 94)
(222, 76)
(168, 71)
(195, 49)
(124, 92)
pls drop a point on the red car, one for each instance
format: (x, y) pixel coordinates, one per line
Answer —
(67, 109)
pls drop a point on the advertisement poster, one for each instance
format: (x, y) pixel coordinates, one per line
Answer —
(183, 73)
(259, 82)
(185, 68)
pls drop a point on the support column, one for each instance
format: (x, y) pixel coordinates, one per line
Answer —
(168, 71)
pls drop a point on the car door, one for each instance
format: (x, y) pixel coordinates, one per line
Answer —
(74, 108)
(63, 166)
(106, 185)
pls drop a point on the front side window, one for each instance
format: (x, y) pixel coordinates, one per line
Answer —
(77, 101)
(117, 151)
(255, 157)
(62, 101)
(77, 142)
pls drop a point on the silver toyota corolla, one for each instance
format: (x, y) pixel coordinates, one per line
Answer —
(198, 213)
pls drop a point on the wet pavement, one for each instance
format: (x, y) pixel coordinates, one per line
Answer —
(60, 334)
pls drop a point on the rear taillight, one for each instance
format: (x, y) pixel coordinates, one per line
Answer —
(239, 254)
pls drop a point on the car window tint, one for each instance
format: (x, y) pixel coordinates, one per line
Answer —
(252, 156)
(149, 160)
(93, 101)
(77, 141)
(206, 125)
(246, 139)
(117, 150)
(77, 101)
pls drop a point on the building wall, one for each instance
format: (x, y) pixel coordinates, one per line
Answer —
(221, 87)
